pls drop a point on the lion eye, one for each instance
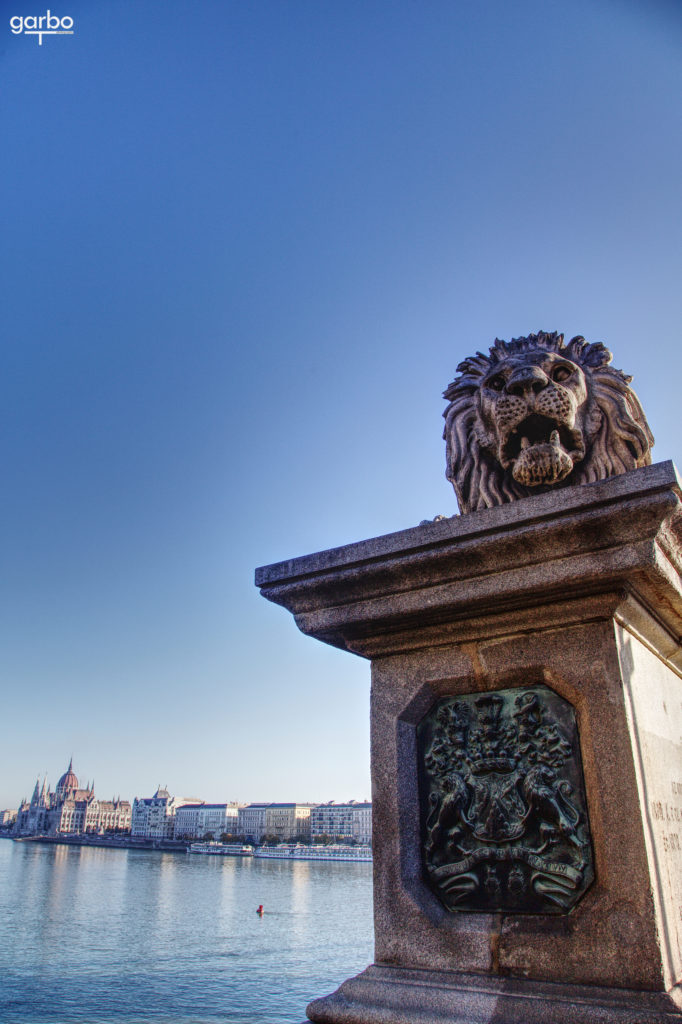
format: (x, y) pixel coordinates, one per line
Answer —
(561, 373)
(496, 383)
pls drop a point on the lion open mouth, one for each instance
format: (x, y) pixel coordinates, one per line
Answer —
(541, 451)
(537, 429)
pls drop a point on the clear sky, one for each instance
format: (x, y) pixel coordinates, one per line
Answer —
(245, 244)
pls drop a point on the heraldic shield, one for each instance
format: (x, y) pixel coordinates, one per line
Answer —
(503, 810)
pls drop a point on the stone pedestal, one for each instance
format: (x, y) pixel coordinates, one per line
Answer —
(579, 592)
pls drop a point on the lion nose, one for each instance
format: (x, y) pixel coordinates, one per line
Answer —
(527, 379)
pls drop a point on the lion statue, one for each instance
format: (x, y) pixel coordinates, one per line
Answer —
(535, 414)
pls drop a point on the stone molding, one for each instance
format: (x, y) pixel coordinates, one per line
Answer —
(393, 995)
(557, 553)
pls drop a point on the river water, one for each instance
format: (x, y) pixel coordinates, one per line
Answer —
(99, 936)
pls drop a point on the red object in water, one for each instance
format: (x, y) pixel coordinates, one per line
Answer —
(260, 910)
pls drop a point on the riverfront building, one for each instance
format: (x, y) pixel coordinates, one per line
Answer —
(70, 809)
(342, 821)
(186, 823)
(251, 822)
(285, 822)
(288, 821)
(197, 820)
(154, 817)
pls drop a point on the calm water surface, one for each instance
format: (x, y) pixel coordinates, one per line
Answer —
(98, 936)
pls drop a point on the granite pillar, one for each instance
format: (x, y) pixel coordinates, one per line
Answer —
(578, 591)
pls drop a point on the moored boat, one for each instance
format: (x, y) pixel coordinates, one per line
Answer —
(223, 849)
(298, 851)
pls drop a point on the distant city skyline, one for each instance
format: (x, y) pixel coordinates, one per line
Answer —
(244, 248)
(42, 779)
(73, 812)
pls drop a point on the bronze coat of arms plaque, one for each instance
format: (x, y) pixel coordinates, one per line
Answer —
(503, 809)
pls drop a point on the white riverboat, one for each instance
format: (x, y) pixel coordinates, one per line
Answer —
(291, 851)
(223, 849)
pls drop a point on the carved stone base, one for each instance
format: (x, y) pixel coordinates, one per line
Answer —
(395, 995)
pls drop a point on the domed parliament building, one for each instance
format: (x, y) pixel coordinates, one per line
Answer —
(70, 809)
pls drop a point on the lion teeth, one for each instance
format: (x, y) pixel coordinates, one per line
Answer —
(554, 438)
(525, 443)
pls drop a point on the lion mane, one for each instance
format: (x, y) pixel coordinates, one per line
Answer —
(534, 414)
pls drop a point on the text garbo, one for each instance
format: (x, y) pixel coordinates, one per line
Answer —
(39, 25)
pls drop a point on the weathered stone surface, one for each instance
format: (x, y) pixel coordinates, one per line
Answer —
(384, 995)
(653, 704)
(577, 591)
(536, 414)
(441, 582)
(412, 928)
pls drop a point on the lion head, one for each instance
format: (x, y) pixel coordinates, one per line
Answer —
(535, 414)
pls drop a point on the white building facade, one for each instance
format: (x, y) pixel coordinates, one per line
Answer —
(185, 825)
(288, 822)
(251, 822)
(195, 821)
(362, 823)
(154, 817)
(218, 819)
(343, 821)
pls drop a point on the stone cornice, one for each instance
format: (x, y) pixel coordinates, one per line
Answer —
(596, 543)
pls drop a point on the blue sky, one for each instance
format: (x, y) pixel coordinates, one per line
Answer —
(244, 247)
